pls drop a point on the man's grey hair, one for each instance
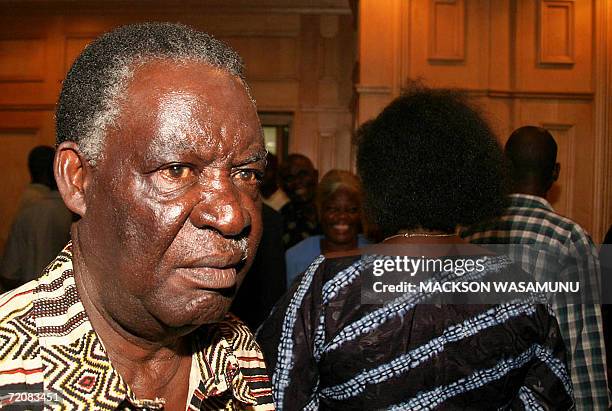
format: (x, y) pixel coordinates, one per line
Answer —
(96, 83)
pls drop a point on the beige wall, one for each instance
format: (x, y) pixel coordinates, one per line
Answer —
(299, 57)
(540, 62)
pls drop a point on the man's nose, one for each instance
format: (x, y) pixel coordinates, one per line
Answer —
(220, 209)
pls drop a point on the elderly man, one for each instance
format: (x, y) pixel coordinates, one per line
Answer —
(160, 153)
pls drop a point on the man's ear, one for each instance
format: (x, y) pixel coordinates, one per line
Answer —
(71, 171)
(556, 171)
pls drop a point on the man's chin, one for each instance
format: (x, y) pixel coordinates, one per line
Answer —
(204, 310)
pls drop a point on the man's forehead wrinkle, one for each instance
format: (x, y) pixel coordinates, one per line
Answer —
(178, 114)
(168, 148)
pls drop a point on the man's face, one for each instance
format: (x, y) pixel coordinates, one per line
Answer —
(299, 180)
(173, 210)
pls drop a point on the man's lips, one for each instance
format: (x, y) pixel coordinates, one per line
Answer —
(216, 261)
(213, 272)
(208, 278)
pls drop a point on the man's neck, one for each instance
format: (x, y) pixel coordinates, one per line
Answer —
(530, 189)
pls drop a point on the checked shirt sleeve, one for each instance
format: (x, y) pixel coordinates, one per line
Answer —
(583, 324)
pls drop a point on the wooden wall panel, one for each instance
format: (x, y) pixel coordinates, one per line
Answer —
(281, 95)
(501, 59)
(225, 24)
(23, 69)
(560, 58)
(377, 33)
(379, 60)
(523, 61)
(307, 121)
(556, 32)
(334, 147)
(345, 151)
(446, 30)
(268, 57)
(460, 60)
(14, 68)
(327, 150)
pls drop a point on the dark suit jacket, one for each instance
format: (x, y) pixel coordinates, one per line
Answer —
(266, 281)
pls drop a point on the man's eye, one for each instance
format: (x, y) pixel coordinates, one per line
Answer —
(174, 177)
(177, 172)
(249, 176)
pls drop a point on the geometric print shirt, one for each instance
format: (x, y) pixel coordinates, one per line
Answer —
(530, 220)
(326, 350)
(51, 355)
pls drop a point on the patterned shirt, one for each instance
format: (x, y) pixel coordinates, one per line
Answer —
(531, 220)
(328, 351)
(49, 348)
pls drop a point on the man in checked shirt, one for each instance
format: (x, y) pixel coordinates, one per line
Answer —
(530, 220)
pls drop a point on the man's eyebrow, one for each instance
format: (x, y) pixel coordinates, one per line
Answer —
(168, 148)
(253, 158)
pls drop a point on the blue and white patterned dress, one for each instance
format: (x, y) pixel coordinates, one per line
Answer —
(326, 350)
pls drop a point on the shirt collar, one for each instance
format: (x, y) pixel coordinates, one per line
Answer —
(77, 364)
(212, 347)
(528, 200)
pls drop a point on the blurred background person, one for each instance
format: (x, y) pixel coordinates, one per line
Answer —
(40, 166)
(41, 227)
(298, 179)
(271, 194)
(266, 280)
(428, 164)
(338, 201)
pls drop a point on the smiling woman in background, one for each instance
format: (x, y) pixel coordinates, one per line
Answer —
(339, 207)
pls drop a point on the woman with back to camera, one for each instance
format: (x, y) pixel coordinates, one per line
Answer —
(338, 201)
(428, 164)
